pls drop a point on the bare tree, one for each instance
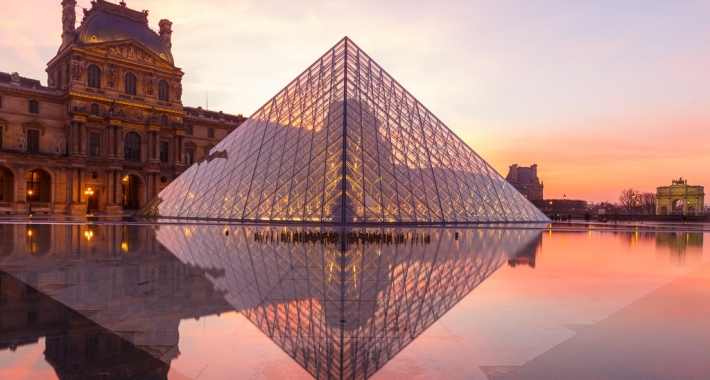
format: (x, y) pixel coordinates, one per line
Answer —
(629, 199)
(648, 202)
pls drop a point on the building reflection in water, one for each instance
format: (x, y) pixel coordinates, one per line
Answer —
(115, 276)
(339, 309)
(525, 256)
(686, 248)
(75, 346)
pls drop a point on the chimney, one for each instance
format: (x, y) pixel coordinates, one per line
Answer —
(166, 32)
(513, 173)
(68, 22)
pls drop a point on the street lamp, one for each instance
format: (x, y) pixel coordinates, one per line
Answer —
(29, 197)
(564, 206)
(88, 193)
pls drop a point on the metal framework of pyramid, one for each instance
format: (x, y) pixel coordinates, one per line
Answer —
(343, 143)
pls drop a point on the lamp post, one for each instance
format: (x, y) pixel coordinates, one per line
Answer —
(88, 193)
(29, 198)
(564, 206)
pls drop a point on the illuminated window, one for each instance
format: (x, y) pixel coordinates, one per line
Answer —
(130, 84)
(93, 76)
(37, 186)
(163, 91)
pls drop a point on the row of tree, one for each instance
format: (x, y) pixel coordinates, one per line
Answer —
(635, 202)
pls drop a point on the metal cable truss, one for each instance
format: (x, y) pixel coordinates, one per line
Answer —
(343, 143)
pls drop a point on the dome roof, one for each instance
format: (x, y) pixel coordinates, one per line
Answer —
(103, 27)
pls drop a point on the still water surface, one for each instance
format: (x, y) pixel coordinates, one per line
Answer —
(232, 301)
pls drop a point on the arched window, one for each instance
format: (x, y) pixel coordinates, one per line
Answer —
(130, 84)
(164, 121)
(132, 147)
(163, 91)
(93, 76)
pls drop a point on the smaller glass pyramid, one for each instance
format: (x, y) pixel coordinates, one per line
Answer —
(343, 143)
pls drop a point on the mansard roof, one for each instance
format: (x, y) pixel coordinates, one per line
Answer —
(107, 22)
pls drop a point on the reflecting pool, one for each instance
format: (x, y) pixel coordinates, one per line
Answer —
(210, 301)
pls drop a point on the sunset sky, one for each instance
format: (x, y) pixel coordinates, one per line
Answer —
(602, 95)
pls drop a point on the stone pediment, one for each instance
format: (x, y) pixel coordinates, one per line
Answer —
(130, 50)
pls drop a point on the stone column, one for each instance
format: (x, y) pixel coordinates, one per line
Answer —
(84, 139)
(118, 150)
(118, 190)
(157, 146)
(178, 150)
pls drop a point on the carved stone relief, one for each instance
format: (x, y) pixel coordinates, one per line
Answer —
(128, 51)
(132, 112)
(111, 75)
(150, 81)
(178, 90)
(77, 68)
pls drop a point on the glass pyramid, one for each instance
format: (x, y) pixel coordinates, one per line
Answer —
(343, 143)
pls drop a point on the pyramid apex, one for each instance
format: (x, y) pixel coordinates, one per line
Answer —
(344, 143)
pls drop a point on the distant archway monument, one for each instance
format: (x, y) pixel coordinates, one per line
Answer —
(680, 199)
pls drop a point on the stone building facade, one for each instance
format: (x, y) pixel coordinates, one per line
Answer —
(525, 180)
(680, 199)
(109, 130)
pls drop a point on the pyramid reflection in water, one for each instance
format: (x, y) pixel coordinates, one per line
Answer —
(343, 311)
(343, 143)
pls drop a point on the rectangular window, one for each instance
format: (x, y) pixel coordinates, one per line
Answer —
(94, 144)
(0, 101)
(164, 152)
(32, 141)
(210, 133)
(1, 127)
(34, 106)
(188, 130)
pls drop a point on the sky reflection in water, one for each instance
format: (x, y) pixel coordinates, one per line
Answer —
(160, 301)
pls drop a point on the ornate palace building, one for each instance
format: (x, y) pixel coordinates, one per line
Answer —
(109, 130)
(525, 180)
